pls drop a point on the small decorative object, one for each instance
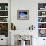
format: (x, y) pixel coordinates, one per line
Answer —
(6, 7)
(31, 27)
(43, 25)
(43, 13)
(45, 7)
(13, 27)
(41, 8)
(42, 32)
(0, 7)
(3, 19)
(23, 14)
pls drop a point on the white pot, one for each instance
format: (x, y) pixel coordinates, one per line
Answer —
(22, 43)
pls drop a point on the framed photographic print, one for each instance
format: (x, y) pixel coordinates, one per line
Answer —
(22, 14)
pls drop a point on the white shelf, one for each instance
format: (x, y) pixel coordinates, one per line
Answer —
(42, 16)
(3, 16)
(3, 10)
(41, 28)
(41, 10)
(41, 22)
(3, 22)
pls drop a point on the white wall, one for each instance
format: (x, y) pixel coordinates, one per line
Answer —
(20, 5)
(32, 6)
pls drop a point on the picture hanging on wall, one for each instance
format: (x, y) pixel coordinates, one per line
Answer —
(22, 14)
